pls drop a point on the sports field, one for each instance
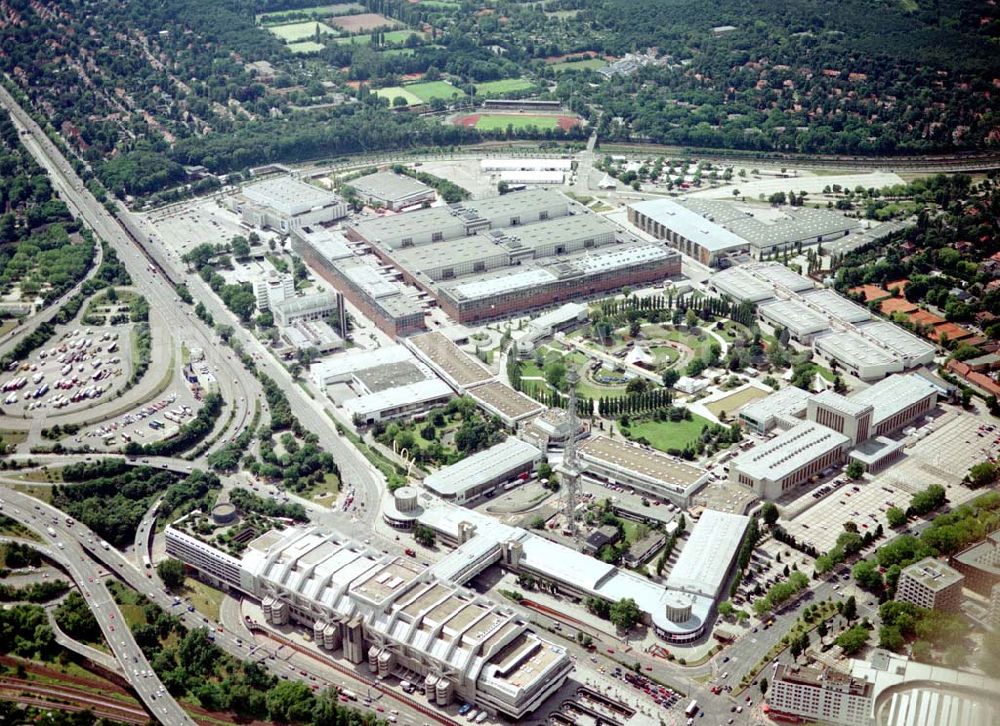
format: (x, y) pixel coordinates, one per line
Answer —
(294, 32)
(317, 11)
(393, 36)
(730, 404)
(505, 85)
(579, 65)
(391, 92)
(363, 21)
(500, 121)
(305, 46)
(429, 90)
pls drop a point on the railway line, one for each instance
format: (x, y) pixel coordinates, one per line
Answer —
(70, 699)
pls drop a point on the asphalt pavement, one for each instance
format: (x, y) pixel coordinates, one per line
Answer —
(68, 547)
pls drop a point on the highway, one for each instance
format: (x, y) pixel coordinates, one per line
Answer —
(67, 548)
(237, 388)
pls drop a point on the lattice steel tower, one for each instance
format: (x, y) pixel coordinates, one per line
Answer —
(569, 469)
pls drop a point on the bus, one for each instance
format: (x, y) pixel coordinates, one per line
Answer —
(692, 709)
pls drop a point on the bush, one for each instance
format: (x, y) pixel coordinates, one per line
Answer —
(896, 517)
(171, 571)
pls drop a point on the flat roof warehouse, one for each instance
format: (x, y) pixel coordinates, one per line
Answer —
(388, 185)
(482, 467)
(690, 224)
(655, 466)
(500, 257)
(289, 196)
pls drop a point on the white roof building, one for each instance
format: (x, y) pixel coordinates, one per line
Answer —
(688, 231)
(836, 306)
(532, 177)
(780, 277)
(897, 400)
(328, 243)
(475, 475)
(912, 350)
(391, 611)
(802, 322)
(395, 191)
(699, 569)
(289, 196)
(502, 165)
(341, 368)
(399, 401)
(678, 615)
(784, 462)
(566, 314)
(908, 693)
(305, 307)
(286, 203)
(649, 472)
(785, 408)
(859, 354)
(741, 286)
(689, 385)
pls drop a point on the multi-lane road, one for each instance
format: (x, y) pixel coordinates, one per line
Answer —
(81, 548)
(238, 387)
(68, 547)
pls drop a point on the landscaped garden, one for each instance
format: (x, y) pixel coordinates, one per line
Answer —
(447, 434)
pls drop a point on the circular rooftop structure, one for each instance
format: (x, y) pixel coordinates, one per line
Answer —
(405, 498)
(224, 513)
(402, 508)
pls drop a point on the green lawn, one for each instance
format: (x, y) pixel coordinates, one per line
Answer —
(664, 355)
(580, 65)
(305, 46)
(43, 493)
(825, 373)
(586, 387)
(664, 435)
(392, 92)
(589, 389)
(699, 346)
(324, 492)
(429, 90)
(730, 331)
(507, 85)
(499, 121)
(10, 436)
(393, 36)
(206, 600)
(7, 325)
(301, 31)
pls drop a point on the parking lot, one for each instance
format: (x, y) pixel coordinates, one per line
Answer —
(78, 367)
(864, 503)
(148, 422)
(465, 173)
(185, 226)
(944, 454)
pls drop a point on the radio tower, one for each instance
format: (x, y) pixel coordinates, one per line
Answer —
(569, 469)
